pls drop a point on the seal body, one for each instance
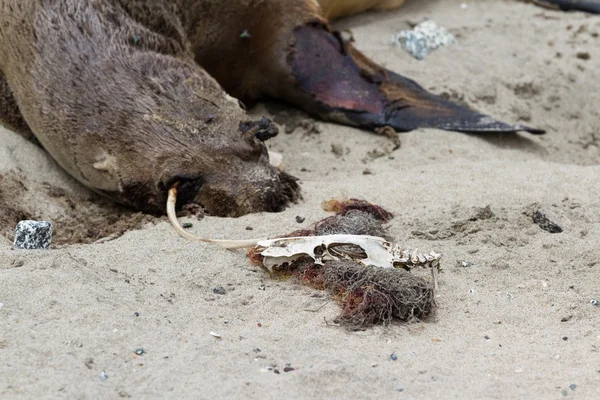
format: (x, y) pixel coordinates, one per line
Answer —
(133, 96)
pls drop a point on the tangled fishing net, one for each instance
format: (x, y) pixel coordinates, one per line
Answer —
(368, 295)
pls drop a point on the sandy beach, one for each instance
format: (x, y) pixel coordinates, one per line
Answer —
(515, 318)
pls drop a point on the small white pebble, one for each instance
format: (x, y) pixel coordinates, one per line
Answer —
(374, 365)
(464, 6)
(215, 335)
(275, 159)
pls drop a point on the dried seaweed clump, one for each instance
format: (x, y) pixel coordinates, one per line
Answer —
(377, 296)
(352, 222)
(342, 207)
(368, 295)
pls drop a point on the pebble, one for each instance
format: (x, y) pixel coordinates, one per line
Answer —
(219, 290)
(103, 376)
(187, 225)
(423, 39)
(337, 149)
(464, 264)
(400, 389)
(139, 351)
(573, 386)
(33, 235)
(393, 357)
(300, 219)
(216, 335)
(89, 362)
(136, 314)
(288, 369)
(544, 222)
(595, 302)
(583, 55)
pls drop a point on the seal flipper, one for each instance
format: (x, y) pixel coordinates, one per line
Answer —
(336, 82)
(591, 6)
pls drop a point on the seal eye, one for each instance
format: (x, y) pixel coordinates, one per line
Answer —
(263, 130)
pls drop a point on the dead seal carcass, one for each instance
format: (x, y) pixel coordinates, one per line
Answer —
(128, 96)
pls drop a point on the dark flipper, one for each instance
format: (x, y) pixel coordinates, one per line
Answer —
(591, 6)
(336, 82)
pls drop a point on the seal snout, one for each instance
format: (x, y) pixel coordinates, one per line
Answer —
(224, 197)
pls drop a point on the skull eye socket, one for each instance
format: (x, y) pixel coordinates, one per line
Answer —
(353, 251)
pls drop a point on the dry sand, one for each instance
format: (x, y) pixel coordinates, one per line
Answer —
(519, 323)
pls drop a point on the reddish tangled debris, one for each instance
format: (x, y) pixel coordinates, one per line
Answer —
(342, 207)
(367, 295)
